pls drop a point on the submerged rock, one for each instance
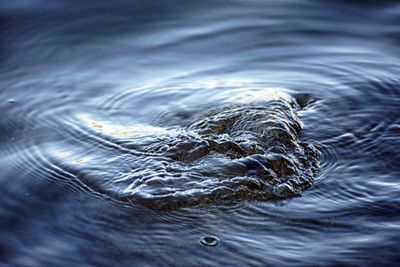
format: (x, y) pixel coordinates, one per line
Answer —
(210, 241)
(236, 153)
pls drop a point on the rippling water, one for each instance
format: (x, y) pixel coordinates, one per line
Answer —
(194, 133)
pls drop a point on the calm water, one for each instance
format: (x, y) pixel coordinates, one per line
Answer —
(190, 133)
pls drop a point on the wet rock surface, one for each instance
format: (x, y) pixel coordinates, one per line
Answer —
(238, 153)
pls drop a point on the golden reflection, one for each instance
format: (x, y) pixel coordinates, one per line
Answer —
(81, 160)
(114, 130)
(120, 131)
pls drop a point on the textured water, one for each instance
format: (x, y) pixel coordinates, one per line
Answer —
(191, 133)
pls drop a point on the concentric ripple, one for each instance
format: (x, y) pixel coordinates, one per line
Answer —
(145, 133)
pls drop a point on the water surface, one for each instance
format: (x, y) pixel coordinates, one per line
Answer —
(194, 133)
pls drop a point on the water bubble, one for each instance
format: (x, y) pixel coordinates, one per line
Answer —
(11, 100)
(210, 241)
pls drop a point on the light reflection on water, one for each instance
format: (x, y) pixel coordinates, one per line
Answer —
(106, 106)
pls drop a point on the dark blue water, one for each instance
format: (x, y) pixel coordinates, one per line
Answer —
(191, 133)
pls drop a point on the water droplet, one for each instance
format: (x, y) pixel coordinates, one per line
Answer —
(210, 241)
(11, 100)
